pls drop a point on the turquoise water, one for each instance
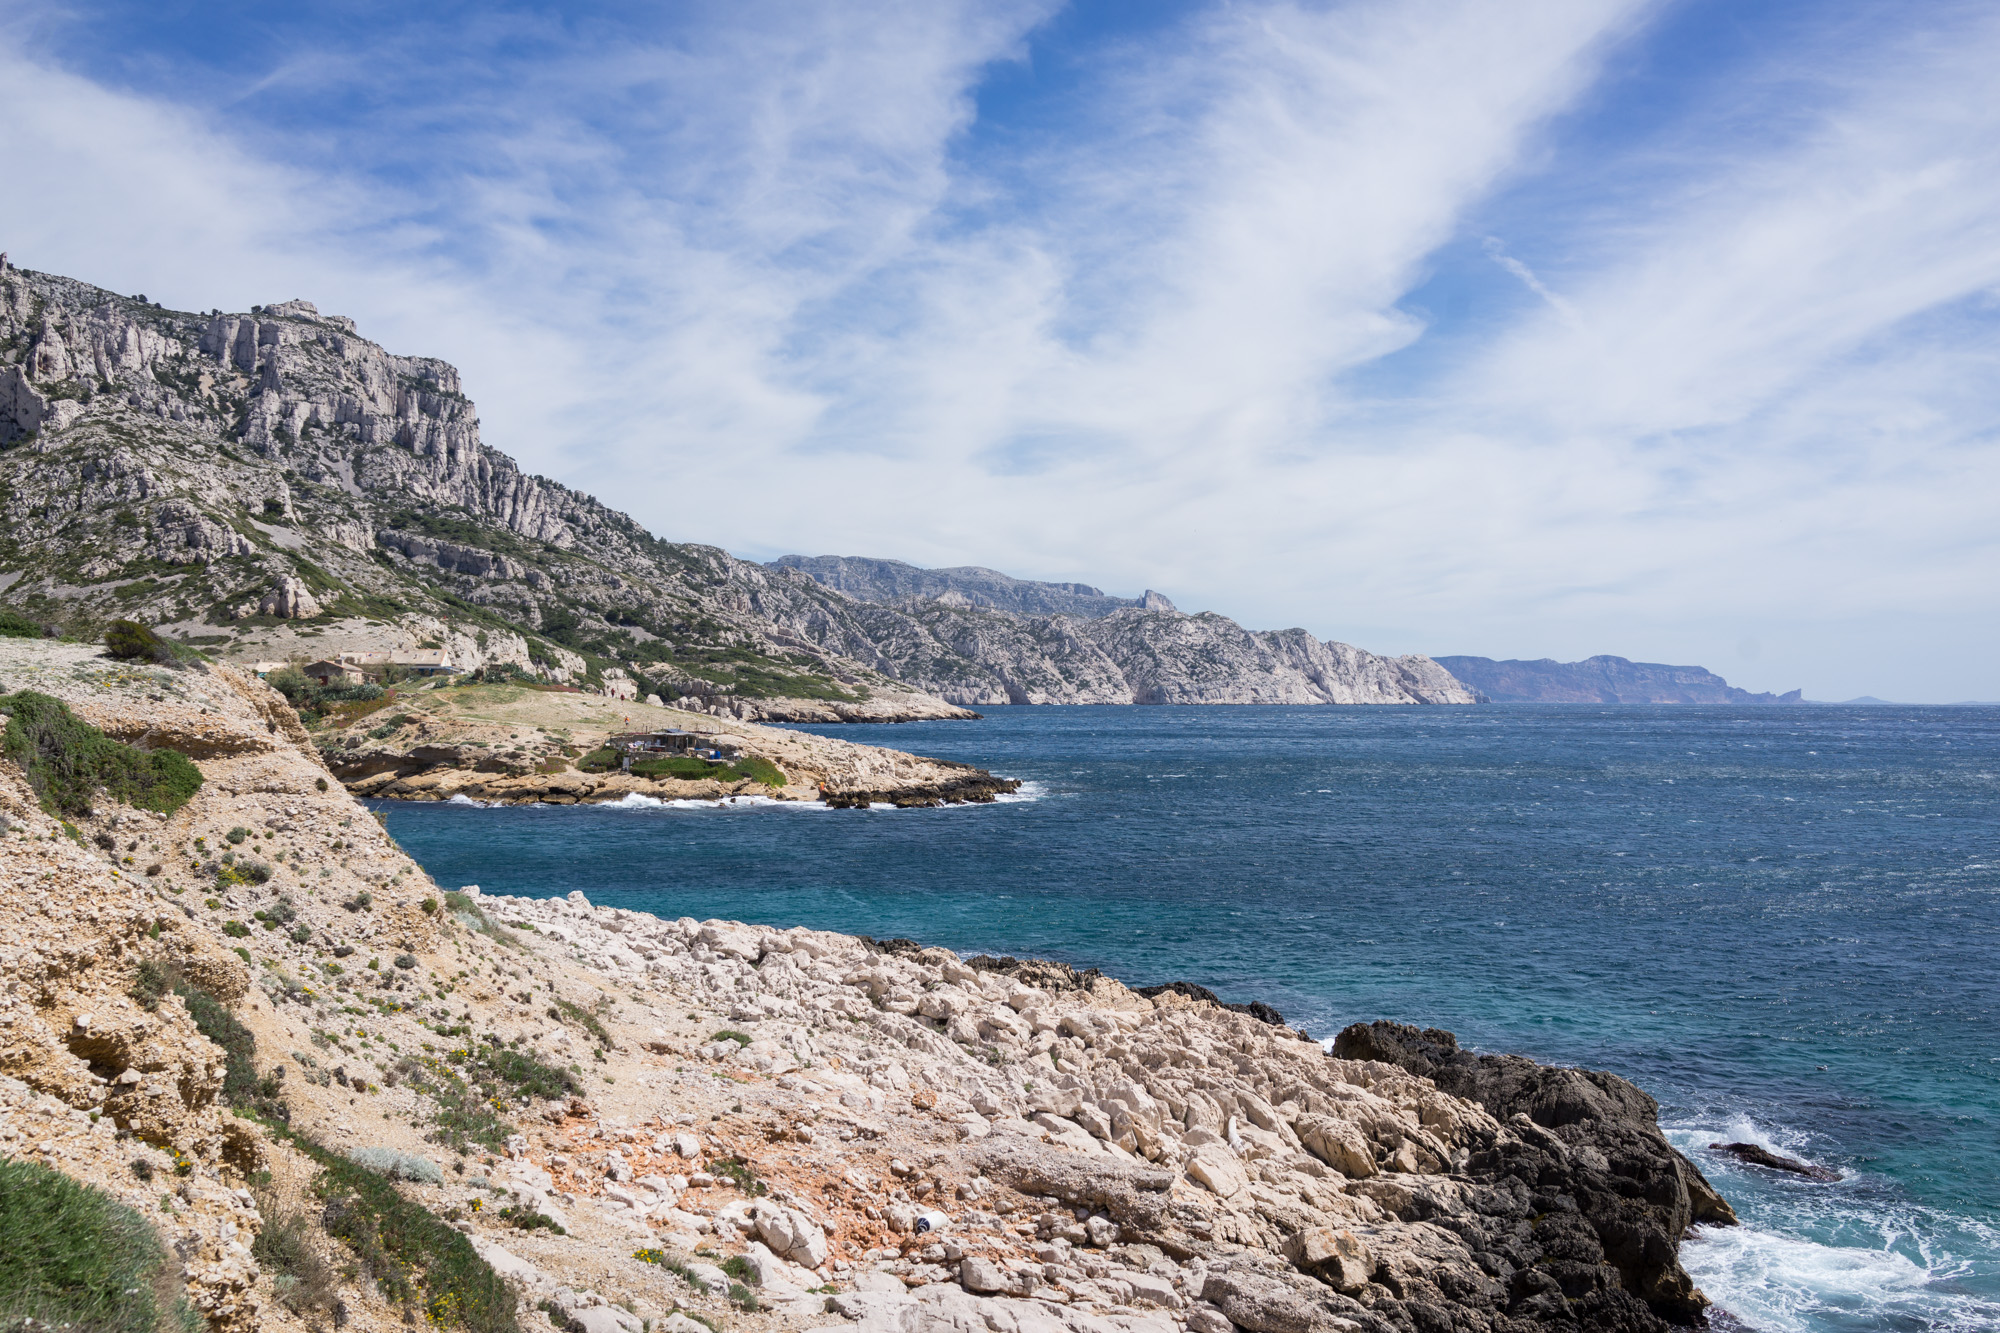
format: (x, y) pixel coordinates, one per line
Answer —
(1782, 922)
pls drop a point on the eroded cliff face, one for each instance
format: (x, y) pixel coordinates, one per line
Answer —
(273, 485)
(974, 656)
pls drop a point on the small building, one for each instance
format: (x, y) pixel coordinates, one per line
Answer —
(413, 661)
(640, 744)
(422, 661)
(331, 673)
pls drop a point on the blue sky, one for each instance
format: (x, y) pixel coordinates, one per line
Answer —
(1548, 329)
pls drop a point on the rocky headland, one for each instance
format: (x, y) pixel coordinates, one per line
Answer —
(1600, 680)
(351, 1098)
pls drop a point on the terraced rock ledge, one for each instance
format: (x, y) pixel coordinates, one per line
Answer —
(498, 1113)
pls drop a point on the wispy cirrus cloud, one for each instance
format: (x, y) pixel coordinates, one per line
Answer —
(1392, 320)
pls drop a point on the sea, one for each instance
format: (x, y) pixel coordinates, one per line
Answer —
(1782, 922)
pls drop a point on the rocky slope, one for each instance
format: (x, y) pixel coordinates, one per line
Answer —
(624, 1123)
(870, 580)
(1600, 680)
(273, 485)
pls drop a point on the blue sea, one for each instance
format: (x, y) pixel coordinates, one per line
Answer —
(1783, 922)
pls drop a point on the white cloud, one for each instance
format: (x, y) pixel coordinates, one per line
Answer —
(755, 276)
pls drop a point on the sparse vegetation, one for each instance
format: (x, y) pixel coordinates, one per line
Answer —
(570, 1011)
(293, 1252)
(67, 761)
(738, 1171)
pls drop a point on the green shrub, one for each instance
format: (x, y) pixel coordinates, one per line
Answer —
(237, 835)
(129, 641)
(730, 1034)
(760, 770)
(236, 930)
(240, 1084)
(67, 761)
(77, 1258)
(687, 766)
(524, 1217)
(598, 761)
(14, 625)
(241, 872)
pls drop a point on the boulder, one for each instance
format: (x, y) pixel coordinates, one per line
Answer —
(289, 599)
(1764, 1157)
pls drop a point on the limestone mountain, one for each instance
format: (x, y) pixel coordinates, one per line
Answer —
(892, 580)
(270, 484)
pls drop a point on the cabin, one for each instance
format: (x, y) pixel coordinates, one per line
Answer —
(331, 673)
(643, 744)
(412, 661)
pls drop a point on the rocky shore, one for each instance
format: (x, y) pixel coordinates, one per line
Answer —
(627, 1123)
(514, 745)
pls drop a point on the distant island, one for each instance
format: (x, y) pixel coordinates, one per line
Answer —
(1600, 680)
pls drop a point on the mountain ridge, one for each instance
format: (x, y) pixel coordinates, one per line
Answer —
(272, 484)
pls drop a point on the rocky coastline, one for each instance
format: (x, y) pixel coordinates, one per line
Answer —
(713, 1124)
(507, 745)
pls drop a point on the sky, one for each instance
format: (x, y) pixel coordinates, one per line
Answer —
(1542, 329)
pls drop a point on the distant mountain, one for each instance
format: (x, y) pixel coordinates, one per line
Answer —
(1601, 680)
(975, 636)
(871, 580)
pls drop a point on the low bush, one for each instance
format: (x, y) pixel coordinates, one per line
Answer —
(571, 1012)
(67, 761)
(77, 1258)
(234, 873)
(14, 625)
(413, 1256)
(598, 761)
(738, 1171)
(397, 1165)
(131, 641)
(524, 1217)
(313, 699)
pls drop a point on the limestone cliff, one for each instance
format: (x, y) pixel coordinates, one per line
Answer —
(1145, 654)
(271, 485)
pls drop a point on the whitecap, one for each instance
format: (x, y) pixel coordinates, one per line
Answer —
(460, 798)
(1784, 1284)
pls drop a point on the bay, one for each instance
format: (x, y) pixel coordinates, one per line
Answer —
(1784, 922)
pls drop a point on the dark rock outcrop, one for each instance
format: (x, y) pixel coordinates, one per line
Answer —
(1764, 1157)
(1588, 1200)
